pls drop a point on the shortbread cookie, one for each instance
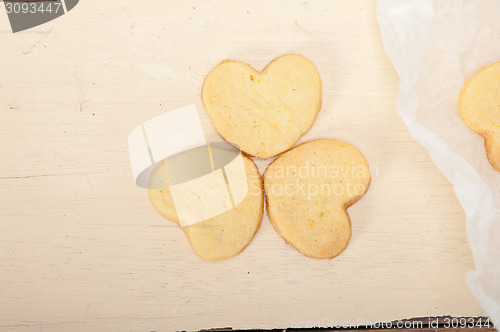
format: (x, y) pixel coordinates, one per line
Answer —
(264, 113)
(227, 234)
(308, 190)
(479, 107)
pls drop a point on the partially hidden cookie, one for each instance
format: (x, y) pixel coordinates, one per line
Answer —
(264, 113)
(226, 234)
(308, 190)
(479, 107)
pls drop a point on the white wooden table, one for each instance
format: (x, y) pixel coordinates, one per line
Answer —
(81, 247)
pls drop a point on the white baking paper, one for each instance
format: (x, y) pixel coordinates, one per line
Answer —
(435, 46)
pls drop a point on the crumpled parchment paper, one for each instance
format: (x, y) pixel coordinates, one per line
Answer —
(435, 46)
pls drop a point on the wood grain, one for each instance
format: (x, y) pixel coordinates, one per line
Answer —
(81, 247)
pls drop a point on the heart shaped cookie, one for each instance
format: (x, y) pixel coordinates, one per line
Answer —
(264, 113)
(479, 107)
(226, 234)
(308, 190)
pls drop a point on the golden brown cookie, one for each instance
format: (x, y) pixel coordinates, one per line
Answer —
(308, 190)
(264, 113)
(479, 107)
(226, 234)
